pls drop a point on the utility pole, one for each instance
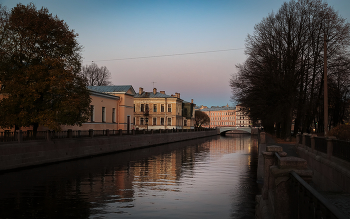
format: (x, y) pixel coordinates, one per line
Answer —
(325, 92)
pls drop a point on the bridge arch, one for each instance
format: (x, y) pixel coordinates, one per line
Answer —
(238, 130)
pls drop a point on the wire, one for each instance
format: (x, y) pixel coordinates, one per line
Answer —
(166, 55)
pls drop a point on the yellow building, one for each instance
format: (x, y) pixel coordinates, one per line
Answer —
(111, 108)
(105, 113)
(125, 113)
(157, 110)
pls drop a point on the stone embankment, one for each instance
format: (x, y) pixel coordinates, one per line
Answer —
(24, 154)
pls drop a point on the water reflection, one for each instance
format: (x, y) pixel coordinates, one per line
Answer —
(204, 178)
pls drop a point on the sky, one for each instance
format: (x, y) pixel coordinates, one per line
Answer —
(119, 34)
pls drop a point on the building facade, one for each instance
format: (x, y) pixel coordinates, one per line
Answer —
(220, 116)
(242, 117)
(125, 113)
(157, 110)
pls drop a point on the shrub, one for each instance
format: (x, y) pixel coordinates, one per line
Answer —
(341, 132)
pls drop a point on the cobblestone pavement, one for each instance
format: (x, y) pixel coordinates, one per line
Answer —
(339, 200)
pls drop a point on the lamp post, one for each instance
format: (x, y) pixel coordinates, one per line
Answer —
(325, 92)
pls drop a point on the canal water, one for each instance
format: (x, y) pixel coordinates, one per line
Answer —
(204, 178)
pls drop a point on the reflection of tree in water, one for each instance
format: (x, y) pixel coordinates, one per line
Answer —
(247, 188)
(78, 189)
(53, 200)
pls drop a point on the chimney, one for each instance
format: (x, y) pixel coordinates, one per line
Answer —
(162, 92)
(140, 90)
(154, 90)
(191, 100)
(177, 95)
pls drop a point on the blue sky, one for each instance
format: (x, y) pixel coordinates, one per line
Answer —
(119, 29)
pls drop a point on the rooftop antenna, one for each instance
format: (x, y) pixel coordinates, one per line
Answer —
(153, 83)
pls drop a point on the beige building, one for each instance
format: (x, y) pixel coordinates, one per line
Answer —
(157, 110)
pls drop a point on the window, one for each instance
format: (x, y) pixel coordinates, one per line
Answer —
(103, 114)
(185, 122)
(169, 108)
(134, 108)
(154, 121)
(92, 111)
(142, 107)
(147, 108)
(169, 121)
(134, 121)
(141, 121)
(146, 121)
(155, 108)
(113, 114)
(161, 121)
(162, 108)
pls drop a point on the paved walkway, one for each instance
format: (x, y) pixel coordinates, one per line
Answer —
(339, 200)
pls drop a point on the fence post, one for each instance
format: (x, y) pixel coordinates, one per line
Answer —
(304, 134)
(313, 142)
(298, 136)
(69, 133)
(120, 132)
(91, 133)
(20, 136)
(48, 135)
(330, 140)
(160, 131)
(133, 132)
(107, 132)
(151, 131)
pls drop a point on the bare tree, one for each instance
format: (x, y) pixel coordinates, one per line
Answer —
(96, 76)
(201, 118)
(282, 78)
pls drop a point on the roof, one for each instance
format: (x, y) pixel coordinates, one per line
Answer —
(95, 93)
(152, 95)
(218, 108)
(112, 89)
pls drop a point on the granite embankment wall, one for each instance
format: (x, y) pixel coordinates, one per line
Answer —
(31, 153)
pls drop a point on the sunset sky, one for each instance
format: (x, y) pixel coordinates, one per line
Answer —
(113, 31)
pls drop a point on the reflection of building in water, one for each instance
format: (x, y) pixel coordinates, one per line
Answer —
(162, 169)
(113, 184)
(230, 145)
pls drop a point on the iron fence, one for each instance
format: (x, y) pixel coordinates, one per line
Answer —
(308, 203)
(321, 144)
(341, 149)
(9, 136)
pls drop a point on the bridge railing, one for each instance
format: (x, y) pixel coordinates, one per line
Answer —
(308, 203)
(329, 145)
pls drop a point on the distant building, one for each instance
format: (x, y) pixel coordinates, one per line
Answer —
(157, 110)
(221, 116)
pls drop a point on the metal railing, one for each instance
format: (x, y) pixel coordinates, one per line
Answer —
(321, 144)
(20, 136)
(341, 149)
(308, 203)
(307, 140)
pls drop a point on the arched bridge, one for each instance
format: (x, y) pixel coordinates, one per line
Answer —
(238, 130)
